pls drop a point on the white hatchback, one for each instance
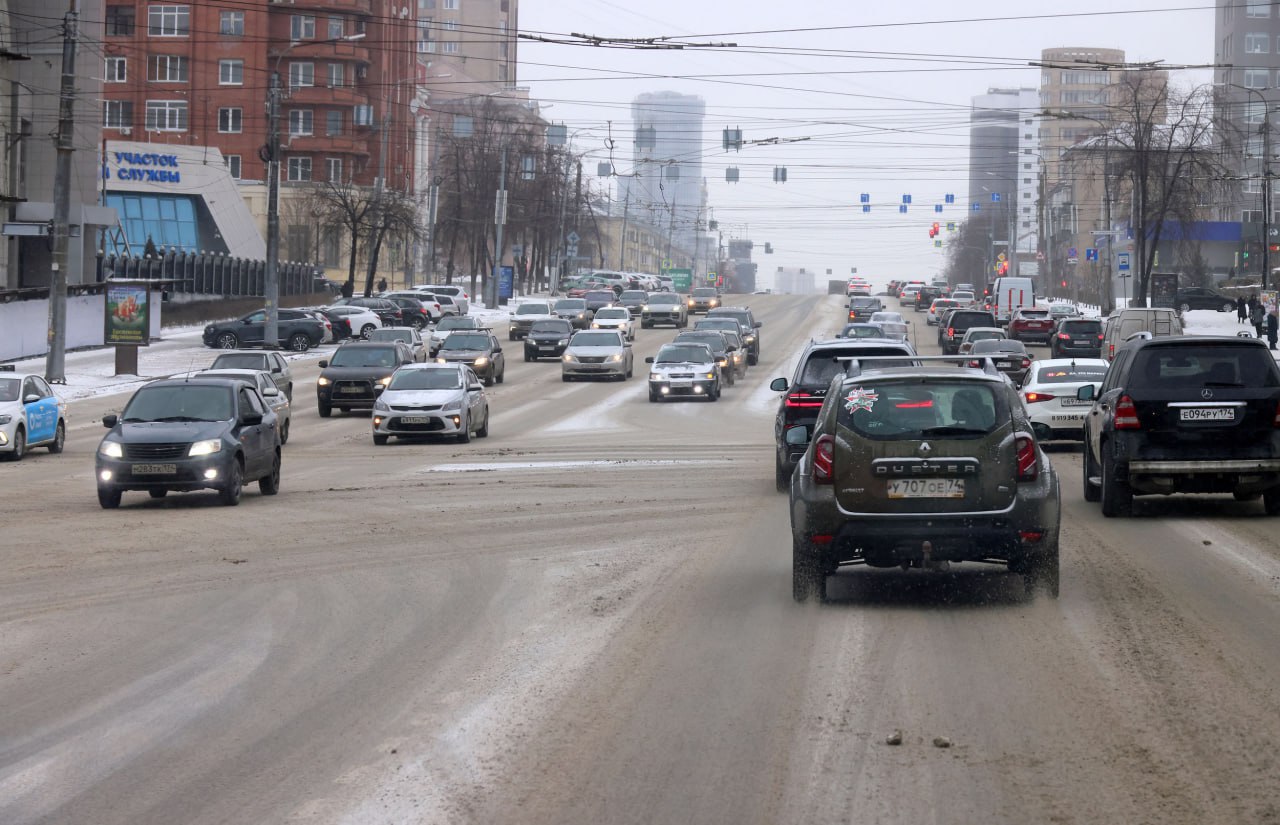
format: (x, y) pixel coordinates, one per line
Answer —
(618, 318)
(1049, 394)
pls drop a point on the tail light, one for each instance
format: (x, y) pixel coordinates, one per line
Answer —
(1062, 336)
(1028, 465)
(1127, 414)
(1113, 346)
(824, 452)
(1026, 362)
(1037, 397)
(803, 399)
(951, 332)
(1275, 422)
(1111, 352)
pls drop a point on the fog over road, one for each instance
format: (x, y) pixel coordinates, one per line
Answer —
(587, 618)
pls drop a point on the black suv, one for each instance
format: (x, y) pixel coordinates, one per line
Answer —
(298, 330)
(750, 329)
(923, 467)
(357, 373)
(1184, 414)
(179, 435)
(1077, 337)
(1197, 297)
(478, 349)
(862, 307)
(599, 299)
(951, 331)
(547, 339)
(819, 363)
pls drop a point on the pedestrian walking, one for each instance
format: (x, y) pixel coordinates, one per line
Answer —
(1257, 316)
(382, 284)
(1273, 327)
(1242, 309)
(347, 289)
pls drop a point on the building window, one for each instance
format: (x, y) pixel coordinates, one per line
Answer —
(166, 115)
(231, 23)
(1253, 147)
(1251, 216)
(451, 25)
(299, 169)
(1254, 112)
(333, 170)
(463, 126)
(298, 242)
(302, 27)
(116, 70)
(120, 21)
(168, 21)
(336, 78)
(117, 114)
(427, 46)
(1252, 186)
(333, 122)
(1026, 166)
(450, 5)
(233, 165)
(301, 122)
(302, 74)
(362, 115)
(450, 48)
(1257, 10)
(1256, 78)
(230, 72)
(231, 120)
(336, 25)
(331, 246)
(167, 68)
(1256, 42)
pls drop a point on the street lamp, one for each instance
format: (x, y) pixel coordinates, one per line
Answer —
(271, 277)
(1266, 176)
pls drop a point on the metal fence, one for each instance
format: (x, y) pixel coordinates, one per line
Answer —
(211, 274)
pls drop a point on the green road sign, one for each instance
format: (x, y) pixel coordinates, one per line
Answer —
(681, 279)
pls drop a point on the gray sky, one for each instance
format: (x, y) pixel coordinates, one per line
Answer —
(885, 106)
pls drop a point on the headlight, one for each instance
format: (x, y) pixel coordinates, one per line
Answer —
(111, 449)
(644, 308)
(441, 361)
(563, 342)
(594, 325)
(710, 375)
(690, 302)
(569, 358)
(657, 376)
(582, 315)
(616, 357)
(481, 361)
(381, 406)
(452, 406)
(750, 338)
(384, 380)
(724, 362)
(322, 381)
(5, 419)
(206, 447)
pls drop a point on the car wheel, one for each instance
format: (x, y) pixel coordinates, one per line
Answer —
(464, 434)
(288, 392)
(565, 378)
(527, 357)
(366, 331)
(753, 359)
(109, 497)
(483, 432)
(325, 410)
(488, 379)
(298, 342)
(714, 395)
(230, 492)
(502, 375)
(807, 576)
(646, 325)
(227, 340)
(418, 324)
(158, 493)
(1271, 501)
(653, 397)
(380, 440)
(781, 478)
(1117, 498)
(19, 445)
(269, 484)
(1228, 307)
(284, 432)
(59, 439)
(1091, 492)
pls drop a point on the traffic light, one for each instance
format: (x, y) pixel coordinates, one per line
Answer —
(934, 230)
(768, 248)
(1064, 283)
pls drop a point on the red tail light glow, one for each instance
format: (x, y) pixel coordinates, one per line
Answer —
(1036, 397)
(803, 399)
(1028, 464)
(824, 459)
(1127, 414)
(1062, 336)
(1275, 422)
(915, 405)
(951, 332)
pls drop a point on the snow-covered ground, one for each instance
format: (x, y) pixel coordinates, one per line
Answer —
(179, 350)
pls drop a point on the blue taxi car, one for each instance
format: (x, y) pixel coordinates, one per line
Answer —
(30, 416)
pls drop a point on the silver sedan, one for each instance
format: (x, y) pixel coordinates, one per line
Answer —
(597, 353)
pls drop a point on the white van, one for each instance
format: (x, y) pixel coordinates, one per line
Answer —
(1010, 294)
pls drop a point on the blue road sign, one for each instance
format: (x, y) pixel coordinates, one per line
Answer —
(950, 199)
(906, 199)
(864, 198)
(902, 208)
(995, 197)
(866, 207)
(1122, 261)
(977, 207)
(937, 207)
(1091, 254)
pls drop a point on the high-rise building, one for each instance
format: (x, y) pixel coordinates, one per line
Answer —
(665, 184)
(1073, 99)
(1003, 167)
(1247, 52)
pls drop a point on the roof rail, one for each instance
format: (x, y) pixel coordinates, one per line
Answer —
(855, 363)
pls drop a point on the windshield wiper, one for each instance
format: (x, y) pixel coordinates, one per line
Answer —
(182, 418)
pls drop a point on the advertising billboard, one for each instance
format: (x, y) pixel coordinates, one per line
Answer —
(128, 315)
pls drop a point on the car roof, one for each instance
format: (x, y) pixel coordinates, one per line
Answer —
(22, 375)
(198, 380)
(1196, 340)
(367, 344)
(976, 374)
(846, 343)
(1065, 362)
(451, 367)
(213, 372)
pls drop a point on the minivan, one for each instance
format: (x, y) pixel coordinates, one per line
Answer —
(1124, 323)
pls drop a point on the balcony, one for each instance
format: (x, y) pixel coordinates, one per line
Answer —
(345, 96)
(364, 7)
(352, 51)
(328, 144)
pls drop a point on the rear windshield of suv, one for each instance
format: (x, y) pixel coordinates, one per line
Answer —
(1195, 367)
(919, 409)
(966, 319)
(1081, 327)
(823, 365)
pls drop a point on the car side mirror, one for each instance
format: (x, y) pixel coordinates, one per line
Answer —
(778, 385)
(246, 321)
(323, 364)
(270, 392)
(649, 360)
(626, 344)
(797, 436)
(475, 388)
(1087, 392)
(759, 324)
(251, 419)
(30, 398)
(110, 420)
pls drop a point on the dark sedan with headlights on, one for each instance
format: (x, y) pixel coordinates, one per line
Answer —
(547, 339)
(357, 373)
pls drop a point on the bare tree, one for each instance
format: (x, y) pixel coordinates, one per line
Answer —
(392, 213)
(345, 205)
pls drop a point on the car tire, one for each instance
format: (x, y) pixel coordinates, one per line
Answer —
(269, 484)
(527, 357)
(109, 497)
(714, 395)
(158, 493)
(464, 435)
(226, 340)
(565, 378)
(1116, 497)
(781, 478)
(299, 342)
(1271, 501)
(230, 492)
(654, 397)
(284, 432)
(488, 379)
(753, 359)
(59, 439)
(646, 325)
(19, 444)
(502, 375)
(1091, 491)
(483, 432)
(807, 576)
(325, 410)
(380, 440)
(288, 392)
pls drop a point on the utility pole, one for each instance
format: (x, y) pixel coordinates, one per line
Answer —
(433, 203)
(55, 361)
(271, 275)
(622, 240)
(499, 220)
(1266, 192)
(379, 213)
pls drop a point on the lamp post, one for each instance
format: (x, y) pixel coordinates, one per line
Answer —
(1266, 176)
(271, 275)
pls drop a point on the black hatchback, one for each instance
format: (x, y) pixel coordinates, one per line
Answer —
(180, 435)
(1078, 337)
(547, 339)
(357, 373)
